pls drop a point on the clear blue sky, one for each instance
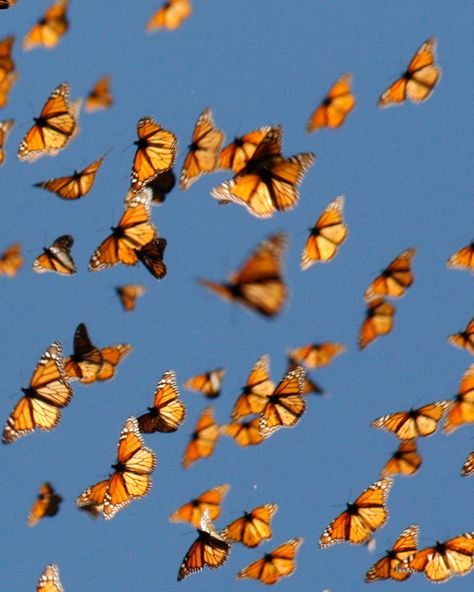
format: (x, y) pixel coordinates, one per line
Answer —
(407, 176)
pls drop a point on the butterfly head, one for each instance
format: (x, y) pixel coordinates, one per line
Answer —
(29, 392)
(352, 509)
(40, 121)
(153, 411)
(119, 467)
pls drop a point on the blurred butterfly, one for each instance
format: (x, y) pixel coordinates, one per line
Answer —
(128, 294)
(7, 65)
(387, 567)
(5, 127)
(378, 321)
(131, 478)
(156, 152)
(161, 185)
(47, 504)
(244, 432)
(53, 129)
(453, 557)
(75, 185)
(468, 466)
(236, 155)
(255, 393)
(268, 182)
(5, 87)
(49, 580)
(170, 16)
(464, 339)
(258, 284)
(151, 255)
(326, 236)
(394, 280)
(405, 460)
(461, 409)
(209, 501)
(463, 259)
(11, 260)
(168, 411)
(309, 386)
(57, 257)
(6, 4)
(285, 406)
(414, 423)
(362, 518)
(50, 27)
(253, 527)
(317, 355)
(203, 439)
(209, 383)
(40, 407)
(99, 96)
(133, 231)
(203, 152)
(274, 564)
(208, 550)
(334, 109)
(419, 79)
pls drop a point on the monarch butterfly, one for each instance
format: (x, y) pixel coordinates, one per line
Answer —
(394, 279)
(253, 527)
(414, 423)
(268, 182)
(47, 504)
(53, 129)
(275, 564)
(419, 79)
(209, 549)
(170, 16)
(128, 294)
(57, 257)
(203, 439)
(463, 259)
(453, 557)
(50, 27)
(468, 466)
(161, 185)
(203, 154)
(151, 255)
(7, 65)
(335, 107)
(75, 185)
(387, 567)
(255, 393)
(209, 501)
(378, 321)
(461, 410)
(156, 152)
(49, 580)
(464, 339)
(11, 260)
(362, 518)
(133, 231)
(131, 478)
(40, 407)
(209, 383)
(258, 284)
(168, 411)
(404, 461)
(5, 128)
(111, 358)
(236, 155)
(5, 87)
(99, 96)
(285, 406)
(245, 433)
(326, 235)
(309, 385)
(317, 355)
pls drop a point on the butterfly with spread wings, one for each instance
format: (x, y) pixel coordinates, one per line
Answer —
(49, 580)
(463, 258)
(203, 438)
(461, 409)
(11, 260)
(258, 284)
(208, 383)
(170, 16)
(255, 393)
(5, 127)
(316, 355)
(378, 321)
(128, 294)
(394, 279)
(131, 478)
(48, 392)
(237, 154)
(335, 107)
(387, 567)
(209, 501)
(46, 504)
(99, 97)
(275, 564)
(464, 339)
(50, 27)
(253, 527)
(73, 186)
(57, 257)
(404, 461)
(244, 432)
(415, 423)
(168, 411)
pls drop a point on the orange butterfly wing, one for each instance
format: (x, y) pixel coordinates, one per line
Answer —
(112, 356)
(99, 96)
(203, 439)
(464, 339)
(75, 185)
(387, 567)
(316, 355)
(254, 394)
(168, 411)
(170, 16)
(237, 154)
(275, 564)
(395, 279)
(209, 501)
(245, 433)
(49, 580)
(209, 383)
(11, 260)
(405, 460)
(47, 504)
(253, 527)
(86, 361)
(461, 410)
(128, 295)
(463, 259)
(49, 29)
(468, 466)
(415, 423)
(57, 257)
(5, 128)
(378, 321)
(336, 106)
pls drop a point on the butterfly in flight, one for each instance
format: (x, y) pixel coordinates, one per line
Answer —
(255, 393)
(404, 461)
(463, 259)
(11, 260)
(464, 339)
(7, 65)
(203, 152)
(151, 255)
(236, 155)
(394, 279)
(46, 504)
(54, 128)
(418, 80)
(361, 518)
(209, 501)
(335, 107)
(275, 564)
(4, 4)
(49, 580)
(309, 386)
(258, 283)
(461, 409)
(253, 527)
(468, 466)
(170, 16)
(50, 27)
(244, 432)
(99, 96)
(131, 478)
(168, 411)
(48, 392)
(128, 294)
(387, 567)
(203, 439)
(6, 86)
(5, 128)
(73, 186)
(209, 383)
(326, 236)
(161, 185)
(414, 423)
(378, 321)
(316, 355)
(57, 257)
